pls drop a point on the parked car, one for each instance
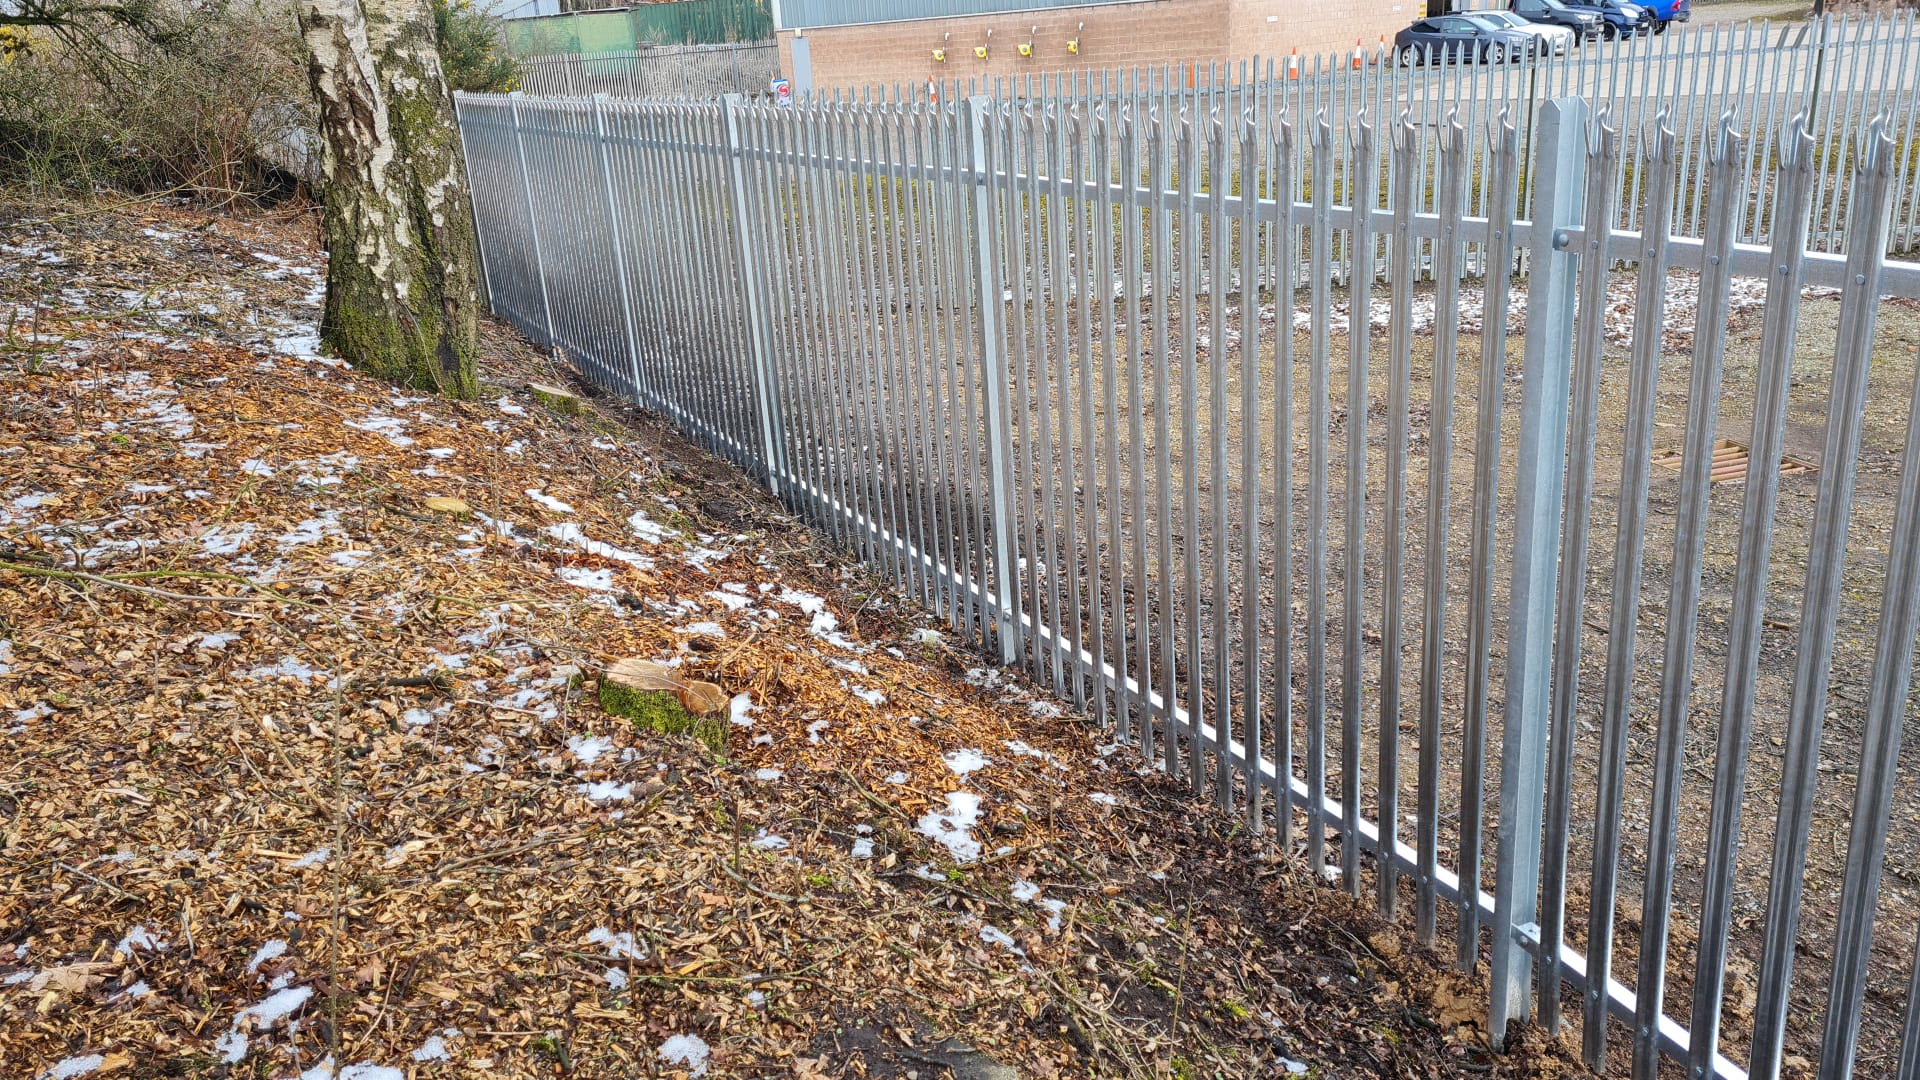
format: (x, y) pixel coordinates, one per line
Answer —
(1584, 24)
(1667, 11)
(1553, 40)
(1450, 39)
(1618, 18)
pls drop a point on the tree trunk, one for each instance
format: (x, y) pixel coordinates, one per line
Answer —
(402, 271)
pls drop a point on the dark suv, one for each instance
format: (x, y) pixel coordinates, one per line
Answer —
(1585, 24)
(1620, 18)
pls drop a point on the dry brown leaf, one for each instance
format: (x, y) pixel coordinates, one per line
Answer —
(446, 504)
(70, 978)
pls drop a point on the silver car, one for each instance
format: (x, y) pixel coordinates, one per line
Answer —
(1554, 40)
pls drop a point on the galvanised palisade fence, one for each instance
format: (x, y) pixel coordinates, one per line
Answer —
(1077, 373)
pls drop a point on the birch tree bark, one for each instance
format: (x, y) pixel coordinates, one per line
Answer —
(402, 271)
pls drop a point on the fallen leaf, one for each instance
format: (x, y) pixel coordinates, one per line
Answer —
(70, 978)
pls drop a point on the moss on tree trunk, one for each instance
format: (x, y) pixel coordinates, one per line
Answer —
(402, 274)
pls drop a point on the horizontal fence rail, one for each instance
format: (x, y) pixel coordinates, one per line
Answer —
(1201, 407)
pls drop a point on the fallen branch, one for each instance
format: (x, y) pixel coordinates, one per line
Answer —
(118, 582)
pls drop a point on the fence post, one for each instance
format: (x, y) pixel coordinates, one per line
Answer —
(752, 283)
(1559, 183)
(533, 223)
(993, 375)
(616, 241)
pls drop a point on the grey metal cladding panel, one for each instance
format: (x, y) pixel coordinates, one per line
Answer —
(806, 14)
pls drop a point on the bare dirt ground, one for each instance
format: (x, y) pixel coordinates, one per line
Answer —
(303, 777)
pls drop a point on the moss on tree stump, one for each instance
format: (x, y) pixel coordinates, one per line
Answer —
(558, 401)
(661, 711)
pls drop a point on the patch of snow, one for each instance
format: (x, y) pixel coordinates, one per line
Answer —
(824, 624)
(1103, 799)
(256, 467)
(216, 641)
(290, 667)
(814, 729)
(312, 531)
(952, 827)
(897, 778)
(434, 1049)
(738, 708)
(271, 1011)
(619, 946)
(1044, 710)
(862, 848)
(648, 529)
(226, 539)
(548, 501)
(768, 774)
(607, 791)
(871, 697)
(139, 938)
(442, 452)
(79, 1065)
(587, 748)
(317, 857)
(272, 950)
(582, 578)
(993, 935)
(702, 629)
(964, 761)
(766, 841)
(731, 601)
(507, 406)
(616, 979)
(389, 427)
(1055, 909)
(688, 1050)
(568, 533)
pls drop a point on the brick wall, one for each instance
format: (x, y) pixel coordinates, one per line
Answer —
(1149, 33)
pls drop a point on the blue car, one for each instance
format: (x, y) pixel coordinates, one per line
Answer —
(1452, 39)
(1667, 11)
(1619, 18)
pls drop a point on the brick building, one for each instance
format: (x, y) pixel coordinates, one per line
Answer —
(829, 44)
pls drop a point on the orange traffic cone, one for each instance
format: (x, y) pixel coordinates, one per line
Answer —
(1293, 64)
(1359, 54)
